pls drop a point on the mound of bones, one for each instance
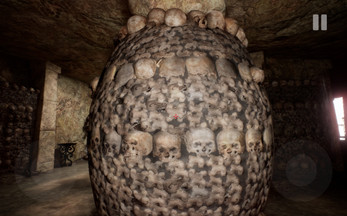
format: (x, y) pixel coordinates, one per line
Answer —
(215, 157)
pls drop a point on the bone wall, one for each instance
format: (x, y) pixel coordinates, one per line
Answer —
(299, 92)
(18, 106)
(180, 126)
(72, 109)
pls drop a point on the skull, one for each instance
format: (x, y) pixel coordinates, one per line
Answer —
(136, 23)
(156, 15)
(167, 146)
(175, 17)
(198, 17)
(200, 141)
(253, 141)
(137, 144)
(112, 143)
(230, 141)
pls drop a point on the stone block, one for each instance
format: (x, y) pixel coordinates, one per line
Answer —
(45, 159)
(51, 83)
(48, 118)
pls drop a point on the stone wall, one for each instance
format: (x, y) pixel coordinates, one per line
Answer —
(73, 107)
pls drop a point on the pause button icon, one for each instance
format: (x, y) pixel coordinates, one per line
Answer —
(323, 22)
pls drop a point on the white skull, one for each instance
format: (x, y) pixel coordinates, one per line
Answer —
(112, 143)
(253, 140)
(167, 146)
(268, 136)
(230, 141)
(200, 141)
(137, 144)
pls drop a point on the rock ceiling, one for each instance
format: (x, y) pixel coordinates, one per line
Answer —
(79, 35)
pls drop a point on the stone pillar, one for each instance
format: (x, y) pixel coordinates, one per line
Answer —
(46, 145)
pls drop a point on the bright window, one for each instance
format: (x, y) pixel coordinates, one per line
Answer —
(338, 105)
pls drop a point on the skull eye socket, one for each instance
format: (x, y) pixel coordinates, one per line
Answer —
(197, 144)
(251, 144)
(174, 149)
(224, 146)
(161, 150)
(133, 142)
(258, 143)
(209, 144)
(235, 145)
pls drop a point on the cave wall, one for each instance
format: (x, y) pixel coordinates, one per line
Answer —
(72, 109)
(18, 107)
(299, 91)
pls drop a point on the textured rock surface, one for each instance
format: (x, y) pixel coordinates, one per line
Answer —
(72, 109)
(188, 140)
(78, 35)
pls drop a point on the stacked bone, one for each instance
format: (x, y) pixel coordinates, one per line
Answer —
(176, 17)
(16, 126)
(177, 120)
(298, 109)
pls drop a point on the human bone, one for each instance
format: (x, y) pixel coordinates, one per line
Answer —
(274, 83)
(244, 71)
(175, 17)
(176, 93)
(217, 166)
(253, 140)
(200, 65)
(196, 92)
(231, 25)
(194, 119)
(123, 32)
(113, 140)
(241, 34)
(138, 143)
(195, 161)
(268, 136)
(145, 68)
(245, 42)
(94, 83)
(215, 19)
(136, 23)
(156, 15)
(217, 196)
(197, 17)
(171, 67)
(230, 141)
(195, 182)
(225, 68)
(167, 146)
(200, 141)
(125, 74)
(174, 109)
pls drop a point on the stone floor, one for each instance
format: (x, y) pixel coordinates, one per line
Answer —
(66, 191)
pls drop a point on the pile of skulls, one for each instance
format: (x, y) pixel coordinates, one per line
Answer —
(17, 122)
(180, 123)
(175, 17)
